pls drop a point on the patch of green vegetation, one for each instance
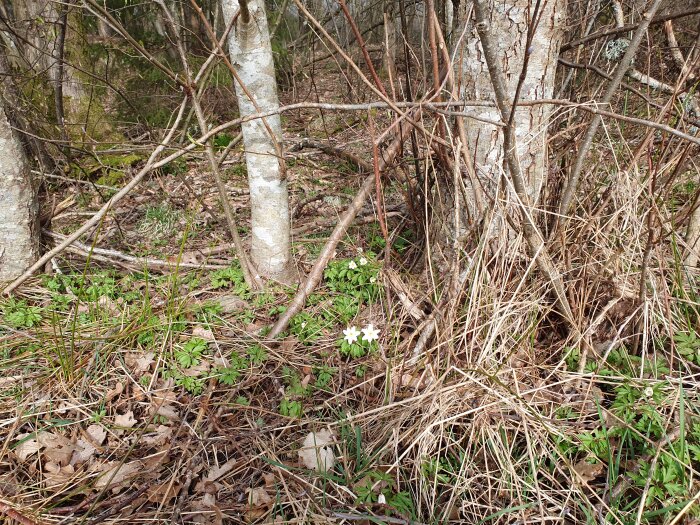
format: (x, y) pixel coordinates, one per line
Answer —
(207, 312)
(358, 343)
(688, 345)
(231, 374)
(257, 355)
(221, 141)
(291, 408)
(18, 314)
(238, 171)
(175, 167)
(159, 223)
(295, 390)
(640, 421)
(345, 308)
(231, 278)
(324, 375)
(357, 278)
(108, 170)
(190, 354)
(308, 328)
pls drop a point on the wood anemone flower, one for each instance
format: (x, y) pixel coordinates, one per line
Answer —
(351, 334)
(370, 333)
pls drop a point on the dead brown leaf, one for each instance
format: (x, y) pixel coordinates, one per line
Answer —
(159, 437)
(84, 451)
(139, 363)
(26, 446)
(163, 492)
(114, 474)
(203, 333)
(116, 391)
(97, 433)
(217, 471)
(56, 477)
(259, 503)
(588, 471)
(269, 479)
(126, 420)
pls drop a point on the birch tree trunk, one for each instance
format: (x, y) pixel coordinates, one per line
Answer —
(509, 20)
(251, 56)
(19, 229)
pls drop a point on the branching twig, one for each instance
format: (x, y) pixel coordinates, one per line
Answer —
(124, 259)
(250, 275)
(629, 27)
(316, 272)
(622, 68)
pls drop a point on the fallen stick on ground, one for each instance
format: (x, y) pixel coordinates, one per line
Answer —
(130, 261)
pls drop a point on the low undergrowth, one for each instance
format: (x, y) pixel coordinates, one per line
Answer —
(124, 392)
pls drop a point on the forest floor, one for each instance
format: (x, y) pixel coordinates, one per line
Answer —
(148, 393)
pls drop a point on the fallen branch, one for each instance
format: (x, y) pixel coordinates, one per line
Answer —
(17, 516)
(127, 260)
(361, 218)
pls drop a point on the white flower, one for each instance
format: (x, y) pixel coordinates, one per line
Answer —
(351, 334)
(359, 250)
(303, 325)
(381, 499)
(370, 333)
(363, 261)
(352, 265)
(373, 279)
(648, 391)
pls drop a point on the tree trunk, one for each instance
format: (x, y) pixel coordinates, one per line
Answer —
(509, 20)
(251, 56)
(19, 229)
(49, 49)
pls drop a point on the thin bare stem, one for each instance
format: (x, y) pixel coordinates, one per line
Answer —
(622, 68)
(249, 272)
(344, 223)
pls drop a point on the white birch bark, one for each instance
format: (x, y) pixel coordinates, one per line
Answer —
(251, 56)
(692, 237)
(509, 20)
(19, 235)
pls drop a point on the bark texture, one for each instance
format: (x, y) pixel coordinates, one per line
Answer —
(19, 238)
(509, 20)
(251, 56)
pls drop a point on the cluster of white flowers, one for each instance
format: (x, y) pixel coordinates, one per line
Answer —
(353, 265)
(369, 334)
